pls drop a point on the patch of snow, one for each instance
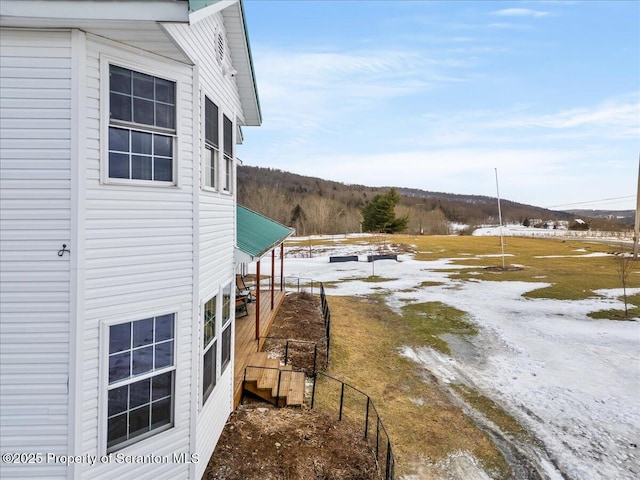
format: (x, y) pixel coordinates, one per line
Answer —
(456, 466)
(588, 255)
(573, 381)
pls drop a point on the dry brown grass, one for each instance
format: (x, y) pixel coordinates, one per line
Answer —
(420, 418)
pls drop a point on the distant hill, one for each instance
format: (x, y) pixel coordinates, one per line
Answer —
(627, 217)
(313, 206)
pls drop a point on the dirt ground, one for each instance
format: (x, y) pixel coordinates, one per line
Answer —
(261, 442)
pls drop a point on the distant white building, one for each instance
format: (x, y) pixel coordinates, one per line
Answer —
(119, 126)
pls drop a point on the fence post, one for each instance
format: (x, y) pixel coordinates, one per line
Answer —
(377, 436)
(286, 352)
(278, 390)
(313, 391)
(366, 419)
(388, 469)
(315, 356)
(341, 401)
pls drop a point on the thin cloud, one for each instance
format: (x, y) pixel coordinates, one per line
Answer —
(613, 118)
(510, 26)
(519, 12)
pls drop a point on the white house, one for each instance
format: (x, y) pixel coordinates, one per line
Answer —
(119, 121)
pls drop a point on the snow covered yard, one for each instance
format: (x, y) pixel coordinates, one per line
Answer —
(571, 380)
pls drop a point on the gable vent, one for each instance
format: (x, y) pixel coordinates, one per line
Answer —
(220, 52)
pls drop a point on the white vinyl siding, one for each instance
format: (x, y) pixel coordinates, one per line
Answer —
(216, 213)
(138, 260)
(35, 221)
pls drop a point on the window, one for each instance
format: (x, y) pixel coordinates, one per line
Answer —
(142, 126)
(209, 349)
(226, 326)
(228, 154)
(141, 379)
(211, 142)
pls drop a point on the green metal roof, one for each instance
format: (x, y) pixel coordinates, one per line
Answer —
(257, 234)
(198, 4)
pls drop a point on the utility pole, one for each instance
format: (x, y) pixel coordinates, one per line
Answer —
(636, 229)
(500, 220)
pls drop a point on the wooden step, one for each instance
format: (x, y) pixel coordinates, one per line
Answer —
(285, 380)
(269, 375)
(256, 359)
(295, 397)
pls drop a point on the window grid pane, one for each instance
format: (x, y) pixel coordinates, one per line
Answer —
(143, 100)
(226, 347)
(209, 371)
(139, 354)
(140, 406)
(145, 95)
(228, 165)
(228, 137)
(211, 133)
(226, 304)
(209, 321)
(210, 168)
(144, 156)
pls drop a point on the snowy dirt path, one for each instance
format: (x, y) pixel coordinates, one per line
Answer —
(573, 381)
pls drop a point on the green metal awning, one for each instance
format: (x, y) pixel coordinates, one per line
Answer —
(256, 235)
(198, 4)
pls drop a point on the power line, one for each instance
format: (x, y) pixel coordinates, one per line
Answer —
(608, 200)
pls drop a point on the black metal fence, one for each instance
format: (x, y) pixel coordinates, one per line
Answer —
(301, 354)
(334, 395)
(292, 284)
(348, 402)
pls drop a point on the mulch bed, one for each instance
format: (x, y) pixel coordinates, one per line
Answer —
(261, 442)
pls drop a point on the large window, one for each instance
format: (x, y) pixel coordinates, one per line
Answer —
(228, 154)
(141, 379)
(226, 326)
(212, 143)
(142, 126)
(209, 349)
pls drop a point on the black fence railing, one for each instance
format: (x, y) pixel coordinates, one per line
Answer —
(332, 394)
(301, 354)
(348, 402)
(291, 284)
(326, 316)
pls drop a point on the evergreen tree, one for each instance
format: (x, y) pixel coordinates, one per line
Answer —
(379, 214)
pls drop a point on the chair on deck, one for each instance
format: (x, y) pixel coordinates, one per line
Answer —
(241, 305)
(242, 290)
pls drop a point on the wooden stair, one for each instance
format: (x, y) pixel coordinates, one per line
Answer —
(275, 383)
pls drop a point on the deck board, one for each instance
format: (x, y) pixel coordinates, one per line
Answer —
(245, 341)
(296, 389)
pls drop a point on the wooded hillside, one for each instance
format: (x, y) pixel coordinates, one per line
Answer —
(315, 206)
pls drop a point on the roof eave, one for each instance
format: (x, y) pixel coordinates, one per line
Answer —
(243, 62)
(151, 10)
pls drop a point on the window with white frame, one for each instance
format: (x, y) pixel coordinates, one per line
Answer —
(226, 327)
(141, 379)
(211, 143)
(227, 139)
(209, 348)
(142, 126)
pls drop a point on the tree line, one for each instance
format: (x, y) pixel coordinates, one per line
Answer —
(314, 206)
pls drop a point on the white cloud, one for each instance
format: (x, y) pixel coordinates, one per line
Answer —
(613, 118)
(519, 12)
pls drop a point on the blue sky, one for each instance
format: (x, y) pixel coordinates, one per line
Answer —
(437, 95)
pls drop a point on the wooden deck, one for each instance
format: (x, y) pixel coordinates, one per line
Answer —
(246, 342)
